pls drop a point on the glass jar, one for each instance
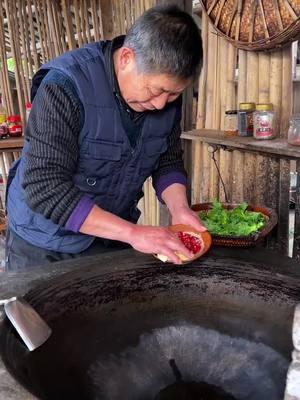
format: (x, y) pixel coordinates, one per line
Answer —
(263, 121)
(14, 125)
(245, 119)
(231, 123)
(294, 130)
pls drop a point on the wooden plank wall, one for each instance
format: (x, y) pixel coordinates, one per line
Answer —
(262, 77)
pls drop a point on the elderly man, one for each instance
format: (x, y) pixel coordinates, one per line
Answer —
(104, 118)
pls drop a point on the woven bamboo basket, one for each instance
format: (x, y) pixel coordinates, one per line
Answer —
(242, 241)
(255, 24)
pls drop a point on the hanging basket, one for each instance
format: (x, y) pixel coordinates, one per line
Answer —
(255, 24)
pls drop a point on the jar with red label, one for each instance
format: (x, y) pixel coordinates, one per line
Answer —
(14, 125)
(263, 122)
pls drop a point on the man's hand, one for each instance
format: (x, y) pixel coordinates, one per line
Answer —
(184, 215)
(147, 239)
(157, 240)
(175, 198)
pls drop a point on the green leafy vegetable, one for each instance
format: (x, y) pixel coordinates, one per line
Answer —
(236, 222)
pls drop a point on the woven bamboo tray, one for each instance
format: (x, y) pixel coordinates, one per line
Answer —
(242, 241)
(255, 24)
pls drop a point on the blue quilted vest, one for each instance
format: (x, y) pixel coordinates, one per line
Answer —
(109, 170)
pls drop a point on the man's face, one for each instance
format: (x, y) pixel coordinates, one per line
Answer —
(145, 92)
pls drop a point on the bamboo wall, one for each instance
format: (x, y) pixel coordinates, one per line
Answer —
(35, 31)
(262, 77)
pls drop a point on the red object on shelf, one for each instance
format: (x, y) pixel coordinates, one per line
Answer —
(14, 125)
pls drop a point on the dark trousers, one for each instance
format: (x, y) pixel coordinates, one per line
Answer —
(20, 255)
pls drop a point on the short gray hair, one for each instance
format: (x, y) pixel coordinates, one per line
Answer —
(166, 40)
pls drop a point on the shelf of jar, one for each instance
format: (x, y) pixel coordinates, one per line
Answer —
(12, 143)
(277, 147)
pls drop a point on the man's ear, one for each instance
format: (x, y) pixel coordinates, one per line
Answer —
(126, 58)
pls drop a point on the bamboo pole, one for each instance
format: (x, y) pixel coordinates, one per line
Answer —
(128, 17)
(203, 76)
(87, 21)
(32, 36)
(77, 23)
(205, 176)
(27, 42)
(237, 176)
(19, 59)
(60, 26)
(39, 29)
(211, 74)
(3, 169)
(287, 90)
(4, 70)
(214, 191)
(42, 9)
(252, 76)
(24, 52)
(230, 102)
(83, 27)
(14, 53)
(264, 77)
(261, 178)
(146, 202)
(95, 21)
(53, 28)
(100, 18)
(249, 177)
(272, 188)
(66, 9)
(242, 83)
(223, 81)
(226, 173)
(216, 90)
(276, 85)
(197, 150)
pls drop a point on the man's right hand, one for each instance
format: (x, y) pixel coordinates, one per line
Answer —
(157, 240)
(146, 239)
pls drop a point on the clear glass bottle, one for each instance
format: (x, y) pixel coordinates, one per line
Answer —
(245, 119)
(231, 123)
(264, 122)
(294, 130)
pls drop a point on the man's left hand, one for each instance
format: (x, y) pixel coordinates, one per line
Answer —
(184, 215)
